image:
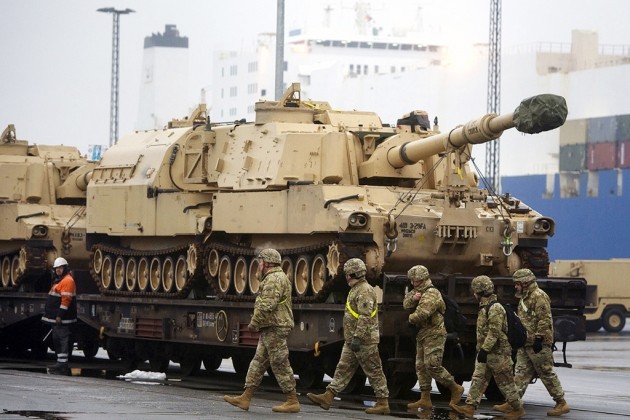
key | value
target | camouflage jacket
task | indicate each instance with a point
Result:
(360, 318)
(534, 309)
(273, 303)
(492, 328)
(428, 311)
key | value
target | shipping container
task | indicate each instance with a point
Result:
(573, 132)
(572, 157)
(623, 128)
(601, 130)
(601, 156)
(623, 154)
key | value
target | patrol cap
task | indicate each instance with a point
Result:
(60, 262)
(482, 285)
(524, 275)
(418, 272)
(355, 266)
(270, 255)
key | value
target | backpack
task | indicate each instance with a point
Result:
(454, 320)
(516, 333)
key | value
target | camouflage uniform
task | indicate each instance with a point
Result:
(360, 320)
(431, 337)
(534, 309)
(273, 316)
(492, 338)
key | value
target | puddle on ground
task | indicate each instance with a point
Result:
(46, 415)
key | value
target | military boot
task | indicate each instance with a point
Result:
(323, 400)
(467, 410)
(456, 393)
(561, 408)
(504, 408)
(291, 405)
(243, 400)
(424, 402)
(515, 410)
(381, 407)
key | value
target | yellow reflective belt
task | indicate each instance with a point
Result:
(356, 315)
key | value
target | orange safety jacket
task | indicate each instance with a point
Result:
(61, 301)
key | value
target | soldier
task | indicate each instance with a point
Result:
(360, 330)
(494, 353)
(536, 356)
(428, 317)
(273, 317)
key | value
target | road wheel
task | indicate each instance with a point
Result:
(614, 320)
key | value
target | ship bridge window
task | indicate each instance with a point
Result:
(394, 46)
(406, 47)
(419, 47)
(365, 45)
(352, 44)
(379, 45)
(338, 44)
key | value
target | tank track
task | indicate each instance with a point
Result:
(202, 278)
(33, 264)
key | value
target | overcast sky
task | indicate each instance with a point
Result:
(56, 55)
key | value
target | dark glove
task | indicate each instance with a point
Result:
(355, 345)
(482, 356)
(537, 344)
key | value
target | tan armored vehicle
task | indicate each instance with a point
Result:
(42, 209)
(191, 205)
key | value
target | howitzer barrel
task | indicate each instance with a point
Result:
(534, 115)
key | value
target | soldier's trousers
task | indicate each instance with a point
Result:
(369, 360)
(272, 350)
(429, 354)
(499, 366)
(529, 363)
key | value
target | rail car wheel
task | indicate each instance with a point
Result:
(143, 274)
(97, 261)
(399, 384)
(155, 274)
(493, 393)
(131, 274)
(159, 363)
(253, 277)
(107, 272)
(15, 270)
(181, 273)
(211, 362)
(241, 364)
(311, 377)
(240, 275)
(302, 275)
(319, 273)
(168, 274)
(6, 272)
(190, 365)
(213, 262)
(119, 273)
(225, 274)
(356, 384)
(90, 348)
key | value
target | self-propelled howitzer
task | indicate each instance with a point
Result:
(188, 207)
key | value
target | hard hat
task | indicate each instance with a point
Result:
(524, 275)
(418, 272)
(60, 262)
(482, 285)
(355, 266)
(270, 255)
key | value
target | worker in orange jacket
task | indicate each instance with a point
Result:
(61, 312)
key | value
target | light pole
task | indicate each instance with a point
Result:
(113, 110)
